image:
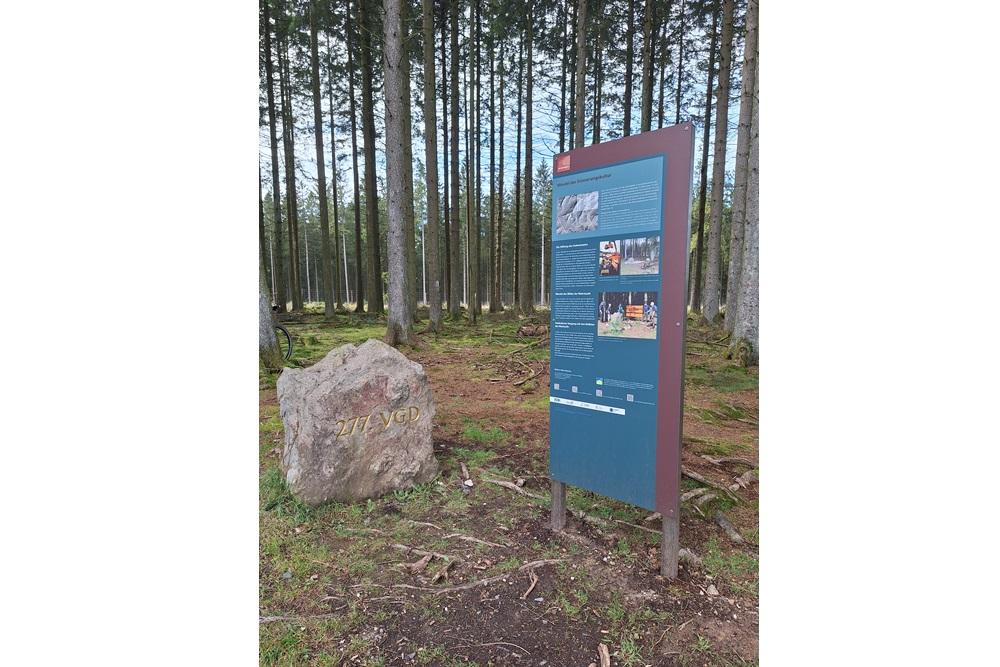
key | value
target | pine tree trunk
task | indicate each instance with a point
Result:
(399, 319)
(471, 222)
(477, 202)
(524, 229)
(408, 213)
(446, 154)
(563, 15)
(515, 260)
(703, 188)
(746, 343)
(456, 252)
(595, 137)
(262, 242)
(281, 294)
(664, 24)
(375, 286)
(498, 266)
(495, 303)
(581, 70)
(326, 261)
(646, 104)
(629, 58)
(742, 160)
(337, 287)
(713, 276)
(430, 156)
(270, 354)
(680, 64)
(359, 280)
(291, 199)
(572, 49)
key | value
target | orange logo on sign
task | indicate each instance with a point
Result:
(562, 163)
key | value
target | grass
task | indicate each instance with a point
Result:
(738, 569)
(348, 548)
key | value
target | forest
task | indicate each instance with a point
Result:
(406, 154)
(405, 148)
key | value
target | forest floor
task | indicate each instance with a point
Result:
(339, 584)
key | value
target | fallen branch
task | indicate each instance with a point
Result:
(469, 538)
(514, 487)
(534, 581)
(692, 493)
(707, 482)
(275, 619)
(534, 373)
(422, 552)
(632, 525)
(744, 480)
(424, 523)
(728, 459)
(481, 582)
(525, 347)
(729, 528)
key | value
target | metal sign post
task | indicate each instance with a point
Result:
(619, 258)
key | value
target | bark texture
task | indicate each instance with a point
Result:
(746, 334)
(430, 156)
(713, 274)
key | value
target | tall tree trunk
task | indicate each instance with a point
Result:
(280, 292)
(334, 182)
(430, 157)
(326, 258)
(444, 134)
(471, 219)
(563, 14)
(291, 199)
(359, 280)
(598, 75)
(581, 69)
(455, 253)
(664, 54)
(524, 229)
(495, 303)
(477, 189)
(263, 235)
(713, 276)
(680, 64)
(629, 58)
(515, 260)
(745, 338)
(498, 265)
(572, 49)
(375, 287)
(742, 159)
(270, 354)
(399, 321)
(702, 190)
(408, 213)
(646, 104)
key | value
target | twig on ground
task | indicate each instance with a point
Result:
(468, 538)
(421, 552)
(514, 487)
(424, 523)
(274, 619)
(602, 651)
(534, 373)
(534, 581)
(693, 493)
(525, 347)
(442, 572)
(482, 582)
(633, 525)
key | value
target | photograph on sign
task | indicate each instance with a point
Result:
(627, 314)
(609, 262)
(640, 256)
(577, 213)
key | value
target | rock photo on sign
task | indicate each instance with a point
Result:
(577, 213)
(357, 425)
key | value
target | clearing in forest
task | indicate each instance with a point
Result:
(448, 574)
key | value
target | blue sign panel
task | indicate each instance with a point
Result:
(607, 242)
